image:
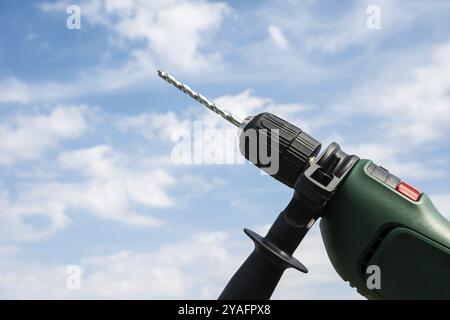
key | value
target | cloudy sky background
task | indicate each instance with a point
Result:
(86, 176)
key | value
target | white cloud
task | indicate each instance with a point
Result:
(16, 212)
(344, 28)
(121, 185)
(139, 67)
(393, 157)
(156, 32)
(173, 31)
(113, 187)
(154, 125)
(176, 270)
(246, 104)
(400, 115)
(7, 250)
(109, 184)
(107, 190)
(26, 137)
(13, 90)
(276, 34)
(442, 203)
(416, 109)
(98, 161)
(113, 179)
(243, 104)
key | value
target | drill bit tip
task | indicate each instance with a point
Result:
(200, 98)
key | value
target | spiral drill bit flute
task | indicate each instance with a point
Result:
(200, 98)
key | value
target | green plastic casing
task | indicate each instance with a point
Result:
(368, 223)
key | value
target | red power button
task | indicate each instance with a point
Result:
(408, 191)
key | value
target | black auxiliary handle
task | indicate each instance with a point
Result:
(259, 275)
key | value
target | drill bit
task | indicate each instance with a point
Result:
(200, 98)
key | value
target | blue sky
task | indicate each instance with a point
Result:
(86, 175)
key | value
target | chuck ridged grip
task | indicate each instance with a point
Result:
(293, 149)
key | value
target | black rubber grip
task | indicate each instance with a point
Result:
(256, 279)
(293, 149)
(259, 275)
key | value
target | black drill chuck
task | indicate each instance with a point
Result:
(292, 148)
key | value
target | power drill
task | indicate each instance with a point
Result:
(368, 217)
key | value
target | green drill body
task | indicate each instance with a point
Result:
(369, 223)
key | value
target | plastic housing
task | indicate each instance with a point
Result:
(369, 223)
